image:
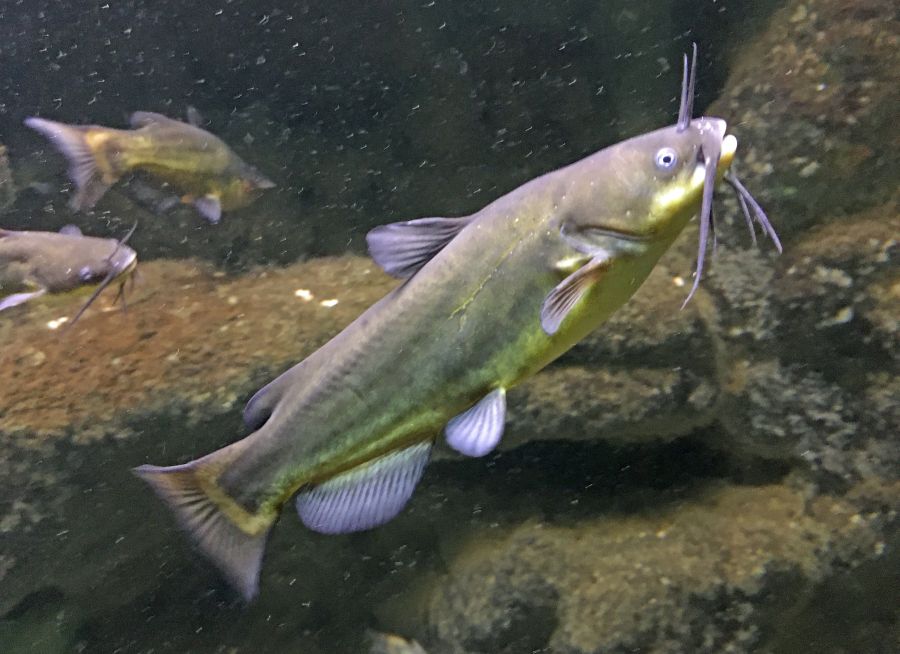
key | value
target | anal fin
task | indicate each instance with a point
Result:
(366, 496)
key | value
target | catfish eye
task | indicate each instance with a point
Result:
(666, 159)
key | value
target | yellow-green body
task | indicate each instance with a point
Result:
(199, 165)
(490, 299)
(469, 321)
(189, 158)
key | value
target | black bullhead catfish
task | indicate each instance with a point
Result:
(201, 166)
(488, 300)
(45, 264)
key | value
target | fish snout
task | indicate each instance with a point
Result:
(125, 261)
(710, 125)
(715, 144)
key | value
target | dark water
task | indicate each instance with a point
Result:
(718, 479)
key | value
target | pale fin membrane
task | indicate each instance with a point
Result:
(568, 292)
(146, 118)
(16, 299)
(402, 248)
(366, 496)
(209, 207)
(478, 430)
(236, 551)
(70, 141)
(70, 230)
(194, 117)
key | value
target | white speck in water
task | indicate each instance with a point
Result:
(232, 300)
(59, 322)
(304, 294)
(328, 303)
(678, 280)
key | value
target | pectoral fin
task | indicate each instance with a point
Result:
(569, 291)
(402, 248)
(366, 496)
(477, 431)
(209, 207)
(16, 299)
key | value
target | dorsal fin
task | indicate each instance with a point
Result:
(402, 248)
(194, 117)
(71, 230)
(145, 118)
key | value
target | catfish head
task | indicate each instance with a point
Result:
(653, 184)
(116, 263)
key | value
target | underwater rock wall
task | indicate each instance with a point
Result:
(718, 479)
(731, 375)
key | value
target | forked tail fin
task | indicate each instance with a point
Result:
(230, 536)
(71, 141)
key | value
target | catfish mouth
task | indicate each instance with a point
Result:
(620, 234)
(714, 160)
(717, 150)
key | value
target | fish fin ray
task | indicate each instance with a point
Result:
(235, 551)
(402, 248)
(209, 207)
(568, 292)
(146, 118)
(478, 431)
(366, 496)
(194, 117)
(70, 141)
(15, 299)
(70, 230)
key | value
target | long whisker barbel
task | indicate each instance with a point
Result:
(748, 202)
(113, 273)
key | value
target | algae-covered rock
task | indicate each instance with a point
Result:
(806, 342)
(813, 103)
(713, 572)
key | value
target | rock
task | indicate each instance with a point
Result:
(7, 183)
(714, 572)
(801, 342)
(813, 103)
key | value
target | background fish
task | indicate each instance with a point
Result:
(209, 175)
(489, 299)
(36, 264)
(380, 643)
